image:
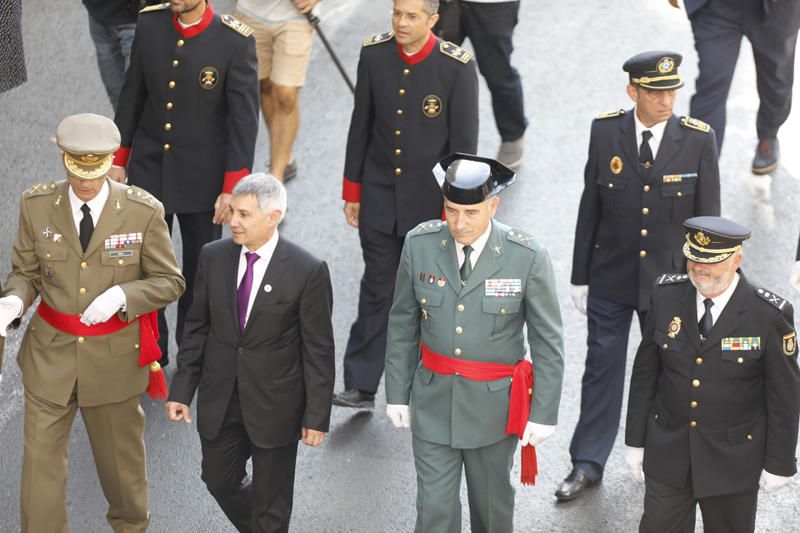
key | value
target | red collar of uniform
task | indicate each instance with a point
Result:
(422, 54)
(197, 29)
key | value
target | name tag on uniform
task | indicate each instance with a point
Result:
(121, 253)
(503, 287)
(730, 344)
(122, 240)
(678, 178)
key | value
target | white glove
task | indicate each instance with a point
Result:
(578, 293)
(400, 415)
(10, 309)
(771, 482)
(634, 458)
(535, 434)
(794, 277)
(104, 306)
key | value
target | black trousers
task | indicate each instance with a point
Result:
(262, 504)
(197, 229)
(671, 510)
(718, 28)
(366, 348)
(490, 28)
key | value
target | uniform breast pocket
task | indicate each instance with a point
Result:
(612, 194)
(52, 263)
(430, 304)
(502, 310)
(741, 357)
(666, 343)
(681, 196)
(126, 263)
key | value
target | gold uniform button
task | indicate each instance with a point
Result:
(460, 308)
(397, 151)
(645, 211)
(423, 300)
(169, 105)
(749, 437)
(693, 405)
(665, 346)
(643, 233)
(642, 253)
(121, 262)
(399, 112)
(699, 360)
(83, 265)
(610, 185)
(397, 133)
(180, 42)
(171, 85)
(167, 147)
(740, 360)
(695, 383)
(680, 194)
(693, 424)
(402, 92)
(175, 62)
(47, 255)
(398, 171)
(81, 339)
(129, 191)
(457, 351)
(136, 346)
(646, 188)
(82, 290)
(459, 330)
(167, 126)
(406, 72)
(503, 311)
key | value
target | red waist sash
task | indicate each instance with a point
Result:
(521, 375)
(149, 352)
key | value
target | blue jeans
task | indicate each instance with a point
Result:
(113, 46)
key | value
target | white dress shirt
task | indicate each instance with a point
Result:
(477, 248)
(96, 205)
(656, 129)
(719, 302)
(259, 268)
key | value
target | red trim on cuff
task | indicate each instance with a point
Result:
(351, 191)
(426, 50)
(232, 178)
(121, 157)
(197, 29)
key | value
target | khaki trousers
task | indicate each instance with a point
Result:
(116, 434)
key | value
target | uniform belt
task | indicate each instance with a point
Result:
(149, 352)
(521, 375)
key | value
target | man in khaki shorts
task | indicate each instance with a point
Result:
(283, 46)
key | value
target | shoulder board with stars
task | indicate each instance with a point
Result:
(522, 238)
(156, 7)
(40, 189)
(456, 52)
(772, 298)
(611, 114)
(693, 123)
(237, 25)
(379, 38)
(432, 226)
(141, 196)
(669, 279)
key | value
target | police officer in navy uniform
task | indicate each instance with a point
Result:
(771, 27)
(715, 390)
(188, 115)
(647, 172)
(416, 101)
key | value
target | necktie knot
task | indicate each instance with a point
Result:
(647, 135)
(708, 302)
(86, 209)
(251, 257)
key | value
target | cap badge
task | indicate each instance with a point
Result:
(702, 238)
(666, 65)
(432, 106)
(674, 327)
(616, 164)
(209, 76)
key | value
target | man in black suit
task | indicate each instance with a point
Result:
(715, 390)
(647, 172)
(258, 347)
(188, 115)
(416, 102)
(771, 27)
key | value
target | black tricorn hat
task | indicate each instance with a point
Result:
(713, 239)
(468, 179)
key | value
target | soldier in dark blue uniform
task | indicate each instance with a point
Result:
(771, 27)
(416, 101)
(647, 172)
(188, 115)
(715, 390)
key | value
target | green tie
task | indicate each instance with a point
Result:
(466, 266)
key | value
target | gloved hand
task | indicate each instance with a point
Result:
(579, 293)
(10, 309)
(400, 415)
(794, 277)
(104, 306)
(536, 433)
(771, 482)
(634, 458)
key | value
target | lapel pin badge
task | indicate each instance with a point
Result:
(267, 288)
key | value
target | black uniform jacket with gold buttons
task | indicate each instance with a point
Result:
(711, 415)
(410, 111)
(188, 112)
(629, 223)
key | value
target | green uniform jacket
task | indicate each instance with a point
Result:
(47, 261)
(430, 306)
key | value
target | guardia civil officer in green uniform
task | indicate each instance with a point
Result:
(465, 289)
(98, 253)
(715, 390)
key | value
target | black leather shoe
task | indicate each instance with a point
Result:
(354, 398)
(767, 154)
(573, 485)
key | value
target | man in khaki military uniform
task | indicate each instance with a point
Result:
(99, 255)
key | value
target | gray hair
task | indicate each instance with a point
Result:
(430, 6)
(268, 190)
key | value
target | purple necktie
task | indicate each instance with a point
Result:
(243, 292)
